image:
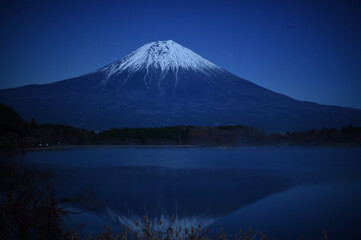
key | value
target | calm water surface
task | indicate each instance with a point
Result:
(282, 191)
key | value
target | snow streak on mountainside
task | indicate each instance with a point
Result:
(161, 55)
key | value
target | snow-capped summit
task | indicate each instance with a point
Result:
(165, 84)
(161, 55)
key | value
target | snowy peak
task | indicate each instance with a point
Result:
(161, 55)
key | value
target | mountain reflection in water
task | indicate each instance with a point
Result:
(202, 186)
(197, 195)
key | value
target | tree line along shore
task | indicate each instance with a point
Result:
(17, 133)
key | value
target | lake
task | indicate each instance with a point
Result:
(281, 191)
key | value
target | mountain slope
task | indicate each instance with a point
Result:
(163, 83)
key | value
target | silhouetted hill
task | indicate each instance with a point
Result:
(9, 117)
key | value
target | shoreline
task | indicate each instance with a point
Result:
(67, 147)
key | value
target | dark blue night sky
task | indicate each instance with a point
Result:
(309, 50)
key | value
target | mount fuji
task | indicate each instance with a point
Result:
(165, 84)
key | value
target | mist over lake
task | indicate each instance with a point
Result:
(282, 191)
